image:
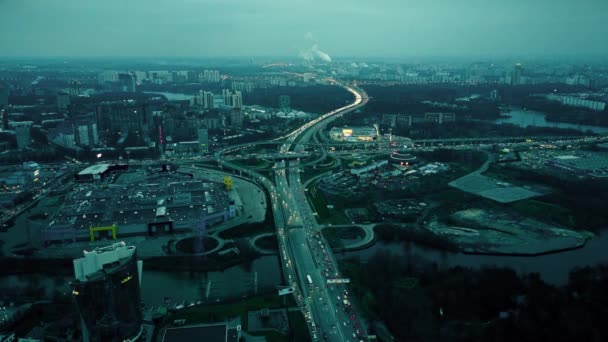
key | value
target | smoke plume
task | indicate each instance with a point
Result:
(313, 52)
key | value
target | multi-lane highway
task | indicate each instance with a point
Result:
(330, 312)
(306, 258)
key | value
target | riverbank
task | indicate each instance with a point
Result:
(488, 241)
(208, 263)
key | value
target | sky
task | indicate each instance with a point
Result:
(305, 28)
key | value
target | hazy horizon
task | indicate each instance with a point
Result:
(313, 29)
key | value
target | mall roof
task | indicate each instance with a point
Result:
(95, 169)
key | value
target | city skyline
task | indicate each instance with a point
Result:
(305, 29)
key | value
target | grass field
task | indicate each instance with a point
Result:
(546, 212)
(326, 215)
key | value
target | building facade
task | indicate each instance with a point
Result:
(107, 293)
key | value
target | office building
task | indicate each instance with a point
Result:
(140, 76)
(75, 89)
(22, 132)
(389, 120)
(236, 118)
(63, 101)
(517, 74)
(86, 129)
(203, 139)
(127, 82)
(212, 121)
(107, 293)
(285, 103)
(5, 120)
(180, 127)
(122, 117)
(439, 118)
(63, 135)
(107, 76)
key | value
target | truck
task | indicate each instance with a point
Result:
(309, 279)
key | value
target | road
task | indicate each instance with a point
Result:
(331, 317)
(306, 258)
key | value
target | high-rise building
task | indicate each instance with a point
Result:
(211, 76)
(208, 100)
(86, 129)
(63, 101)
(180, 127)
(122, 117)
(4, 93)
(517, 74)
(75, 89)
(140, 76)
(236, 118)
(227, 96)
(4, 114)
(22, 132)
(107, 293)
(285, 103)
(246, 87)
(237, 100)
(440, 118)
(203, 139)
(63, 135)
(107, 76)
(127, 82)
(212, 121)
(389, 119)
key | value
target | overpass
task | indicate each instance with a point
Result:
(305, 256)
(421, 142)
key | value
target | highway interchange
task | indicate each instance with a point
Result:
(306, 258)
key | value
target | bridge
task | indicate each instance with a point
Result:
(306, 259)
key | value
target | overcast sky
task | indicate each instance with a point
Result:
(391, 28)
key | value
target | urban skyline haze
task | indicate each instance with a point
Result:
(243, 28)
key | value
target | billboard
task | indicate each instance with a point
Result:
(286, 291)
(338, 281)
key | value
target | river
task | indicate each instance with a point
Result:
(553, 268)
(172, 96)
(525, 118)
(261, 275)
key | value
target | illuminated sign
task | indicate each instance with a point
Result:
(347, 132)
(338, 281)
(286, 291)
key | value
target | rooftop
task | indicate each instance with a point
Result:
(195, 333)
(94, 169)
(101, 257)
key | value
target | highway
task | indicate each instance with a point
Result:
(306, 258)
(332, 315)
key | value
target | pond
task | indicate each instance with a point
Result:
(525, 118)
